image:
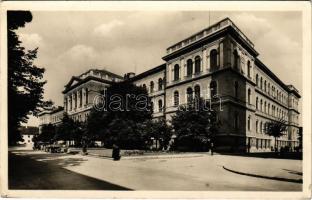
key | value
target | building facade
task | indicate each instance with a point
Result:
(218, 63)
(221, 61)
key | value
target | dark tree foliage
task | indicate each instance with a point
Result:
(47, 134)
(276, 129)
(157, 129)
(195, 127)
(25, 85)
(70, 130)
(128, 101)
(125, 106)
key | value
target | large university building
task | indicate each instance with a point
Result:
(219, 61)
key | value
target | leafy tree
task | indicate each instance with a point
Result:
(47, 134)
(157, 129)
(69, 130)
(194, 126)
(276, 129)
(25, 85)
(125, 106)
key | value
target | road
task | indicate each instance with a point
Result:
(39, 170)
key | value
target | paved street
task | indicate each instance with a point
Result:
(40, 170)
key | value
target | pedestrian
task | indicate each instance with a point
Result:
(248, 147)
(211, 148)
(116, 152)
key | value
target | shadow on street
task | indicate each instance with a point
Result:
(49, 173)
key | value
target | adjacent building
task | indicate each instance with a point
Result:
(219, 62)
(28, 133)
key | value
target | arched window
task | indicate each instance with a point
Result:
(152, 86)
(176, 98)
(261, 83)
(249, 122)
(160, 84)
(160, 105)
(261, 104)
(257, 80)
(197, 91)
(189, 67)
(236, 89)
(269, 88)
(261, 128)
(189, 93)
(213, 88)
(213, 59)
(265, 106)
(197, 64)
(249, 96)
(236, 60)
(269, 108)
(257, 126)
(176, 73)
(257, 103)
(248, 69)
(265, 86)
(144, 86)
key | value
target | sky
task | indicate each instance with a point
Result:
(70, 43)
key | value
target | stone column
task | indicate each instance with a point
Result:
(204, 60)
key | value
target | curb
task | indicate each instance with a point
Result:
(266, 177)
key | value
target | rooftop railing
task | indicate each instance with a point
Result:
(206, 32)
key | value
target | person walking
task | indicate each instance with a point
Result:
(211, 148)
(116, 152)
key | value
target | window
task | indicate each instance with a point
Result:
(152, 86)
(189, 93)
(248, 123)
(75, 97)
(236, 120)
(176, 98)
(248, 68)
(80, 98)
(160, 106)
(213, 59)
(261, 127)
(213, 88)
(87, 96)
(160, 84)
(197, 92)
(269, 88)
(268, 108)
(265, 106)
(189, 67)
(261, 103)
(261, 83)
(236, 60)
(265, 86)
(257, 103)
(144, 86)
(176, 72)
(236, 89)
(257, 126)
(197, 64)
(249, 96)
(152, 105)
(257, 77)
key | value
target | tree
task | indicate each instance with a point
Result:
(276, 129)
(25, 85)
(116, 119)
(69, 130)
(194, 126)
(157, 129)
(47, 134)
